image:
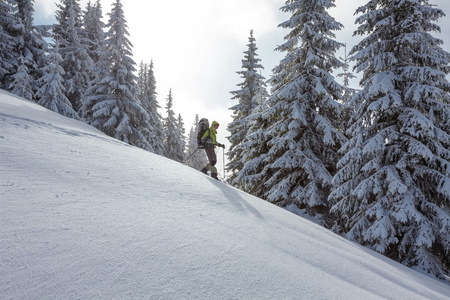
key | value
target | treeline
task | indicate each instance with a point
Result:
(83, 68)
(372, 165)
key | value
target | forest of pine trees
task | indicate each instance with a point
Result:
(82, 67)
(372, 164)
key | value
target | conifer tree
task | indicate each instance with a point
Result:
(143, 125)
(98, 89)
(51, 94)
(346, 75)
(348, 91)
(392, 191)
(172, 132)
(181, 142)
(23, 47)
(252, 87)
(32, 47)
(112, 105)
(142, 81)
(94, 30)
(147, 86)
(255, 150)
(192, 147)
(22, 84)
(77, 64)
(8, 42)
(304, 111)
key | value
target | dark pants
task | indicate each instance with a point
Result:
(212, 159)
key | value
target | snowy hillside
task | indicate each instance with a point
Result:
(84, 216)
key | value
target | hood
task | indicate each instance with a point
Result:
(214, 123)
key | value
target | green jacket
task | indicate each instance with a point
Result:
(210, 135)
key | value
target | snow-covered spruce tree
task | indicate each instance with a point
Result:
(142, 81)
(8, 42)
(32, 47)
(304, 111)
(116, 110)
(181, 146)
(98, 87)
(253, 86)
(393, 186)
(22, 84)
(77, 64)
(172, 133)
(192, 147)
(51, 94)
(148, 100)
(198, 159)
(346, 76)
(94, 30)
(143, 125)
(155, 119)
(255, 148)
(348, 91)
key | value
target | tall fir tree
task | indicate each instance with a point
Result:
(304, 111)
(348, 91)
(112, 105)
(74, 49)
(252, 87)
(98, 87)
(9, 39)
(32, 46)
(94, 30)
(147, 86)
(22, 85)
(51, 94)
(142, 81)
(172, 132)
(181, 145)
(255, 150)
(346, 76)
(392, 191)
(143, 125)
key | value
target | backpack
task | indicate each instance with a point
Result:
(203, 125)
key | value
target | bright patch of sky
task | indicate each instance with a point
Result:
(197, 46)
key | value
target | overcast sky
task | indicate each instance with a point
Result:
(197, 46)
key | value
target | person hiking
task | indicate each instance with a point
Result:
(210, 143)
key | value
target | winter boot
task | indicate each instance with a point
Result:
(204, 170)
(214, 175)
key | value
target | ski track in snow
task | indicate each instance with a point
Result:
(86, 216)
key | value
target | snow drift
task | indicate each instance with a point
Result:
(86, 216)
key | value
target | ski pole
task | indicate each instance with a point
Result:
(191, 155)
(223, 162)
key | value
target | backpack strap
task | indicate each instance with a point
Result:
(208, 137)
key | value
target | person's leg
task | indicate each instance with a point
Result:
(212, 161)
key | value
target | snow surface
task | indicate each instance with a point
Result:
(84, 216)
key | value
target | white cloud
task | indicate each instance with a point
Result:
(44, 10)
(197, 46)
(237, 17)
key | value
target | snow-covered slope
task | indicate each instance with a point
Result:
(84, 216)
